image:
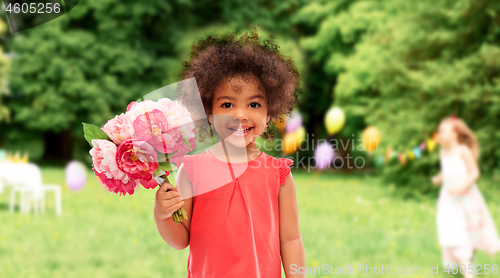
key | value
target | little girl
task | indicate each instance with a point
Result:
(463, 221)
(247, 226)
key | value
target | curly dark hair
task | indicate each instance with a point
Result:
(213, 59)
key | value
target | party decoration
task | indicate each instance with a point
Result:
(371, 138)
(431, 144)
(25, 158)
(76, 175)
(323, 155)
(389, 154)
(294, 123)
(423, 146)
(380, 160)
(402, 159)
(292, 140)
(435, 136)
(16, 158)
(334, 120)
(411, 155)
(417, 152)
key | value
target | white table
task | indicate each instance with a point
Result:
(25, 179)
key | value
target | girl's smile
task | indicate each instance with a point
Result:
(240, 131)
(240, 111)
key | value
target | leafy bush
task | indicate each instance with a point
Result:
(404, 65)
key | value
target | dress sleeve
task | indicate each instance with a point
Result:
(188, 167)
(284, 169)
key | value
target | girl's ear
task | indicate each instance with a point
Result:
(268, 118)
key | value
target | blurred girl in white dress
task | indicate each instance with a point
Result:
(464, 223)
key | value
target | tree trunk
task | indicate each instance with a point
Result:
(58, 147)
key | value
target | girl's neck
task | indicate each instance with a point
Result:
(451, 146)
(225, 151)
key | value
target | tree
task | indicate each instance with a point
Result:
(409, 65)
(89, 64)
(4, 66)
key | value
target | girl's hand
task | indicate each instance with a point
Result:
(458, 190)
(436, 180)
(167, 201)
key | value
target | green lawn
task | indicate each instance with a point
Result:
(344, 220)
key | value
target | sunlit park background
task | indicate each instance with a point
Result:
(381, 70)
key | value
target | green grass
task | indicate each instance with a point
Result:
(344, 220)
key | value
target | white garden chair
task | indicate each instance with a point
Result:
(57, 194)
(25, 180)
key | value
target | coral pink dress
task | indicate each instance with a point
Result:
(235, 219)
(463, 221)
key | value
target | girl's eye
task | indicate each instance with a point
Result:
(255, 103)
(225, 105)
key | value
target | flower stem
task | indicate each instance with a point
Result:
(179, 214)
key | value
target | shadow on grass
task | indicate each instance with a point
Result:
(4, 208)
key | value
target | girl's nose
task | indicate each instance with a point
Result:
(241, 114)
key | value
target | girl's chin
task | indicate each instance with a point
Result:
(238, 142)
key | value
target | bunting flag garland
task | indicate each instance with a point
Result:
(411, 155)
(431, 144)
(417, 152)
(389, 154)
(402, 159)
(423, 146)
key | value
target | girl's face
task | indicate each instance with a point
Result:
(446, 133)
(240, 110)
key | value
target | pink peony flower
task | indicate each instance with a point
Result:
(103, 158)
(177, 116)
(135, 109)
(138, 160)
(131, 105)
(152, 183)
(175, 113)
(116, 186)
(119, 128)
(179, 155)
(105, 168)
(152, 127)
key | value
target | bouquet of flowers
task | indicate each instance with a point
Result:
(141, 146)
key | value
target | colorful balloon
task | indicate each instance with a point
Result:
(417, 152)
(334, 120)
(371, 138)
(323, 155)
(431, 144)
(294, 123)
(380, 160)
(76, 175)
(292, 140)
